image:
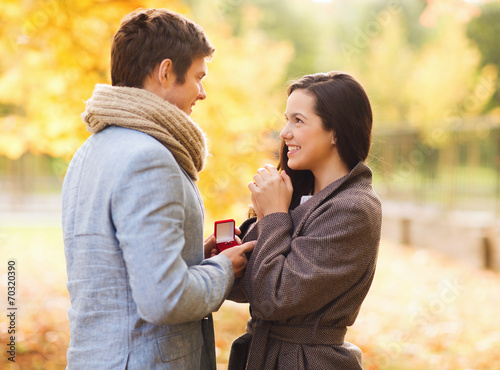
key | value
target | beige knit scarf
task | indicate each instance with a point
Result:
(144, 111)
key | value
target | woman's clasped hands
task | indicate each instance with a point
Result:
(271, 191)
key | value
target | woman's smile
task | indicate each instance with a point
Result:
(292, 149)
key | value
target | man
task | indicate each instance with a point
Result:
(139, 285)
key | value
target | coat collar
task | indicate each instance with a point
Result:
(361, 172)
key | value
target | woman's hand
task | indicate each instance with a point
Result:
(271, 191)
(258, 213)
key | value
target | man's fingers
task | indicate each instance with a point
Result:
(247, 247)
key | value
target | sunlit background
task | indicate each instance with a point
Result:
(430, 69)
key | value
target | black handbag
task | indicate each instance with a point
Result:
(239, 352)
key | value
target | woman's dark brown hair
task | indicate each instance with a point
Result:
(148, 36)
(344, 108)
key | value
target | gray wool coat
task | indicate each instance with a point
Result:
(307, 277)
(137, 278)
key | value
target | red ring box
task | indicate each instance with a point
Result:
(224, 234)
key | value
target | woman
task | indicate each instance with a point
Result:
(317, 228)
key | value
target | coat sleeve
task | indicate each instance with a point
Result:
(288, 277)
(237, 292)
(148, 214)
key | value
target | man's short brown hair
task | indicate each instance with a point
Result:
(148, 36)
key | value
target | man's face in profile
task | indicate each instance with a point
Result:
(185, 95)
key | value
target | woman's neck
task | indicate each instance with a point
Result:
(324, 177)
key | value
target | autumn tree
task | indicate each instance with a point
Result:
(55, 51)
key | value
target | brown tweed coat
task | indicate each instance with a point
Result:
(307, 277)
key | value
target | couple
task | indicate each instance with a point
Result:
(143, 282)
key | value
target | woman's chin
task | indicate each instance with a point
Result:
(294, 166)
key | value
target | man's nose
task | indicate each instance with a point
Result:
(203, 94)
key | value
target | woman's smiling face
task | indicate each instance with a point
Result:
(310, 146)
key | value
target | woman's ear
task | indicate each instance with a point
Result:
(334, 138)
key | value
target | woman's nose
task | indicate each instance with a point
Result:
(286, 133)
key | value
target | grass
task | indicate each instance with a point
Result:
(424, 311)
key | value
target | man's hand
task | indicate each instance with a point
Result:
(238, 258)
(209, 244)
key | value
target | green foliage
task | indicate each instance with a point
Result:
(485, 30)
(429, 87)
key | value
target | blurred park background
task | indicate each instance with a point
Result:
(430, 69)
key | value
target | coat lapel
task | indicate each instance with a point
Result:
(302, 212)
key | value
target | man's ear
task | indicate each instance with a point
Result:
(165, 73)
